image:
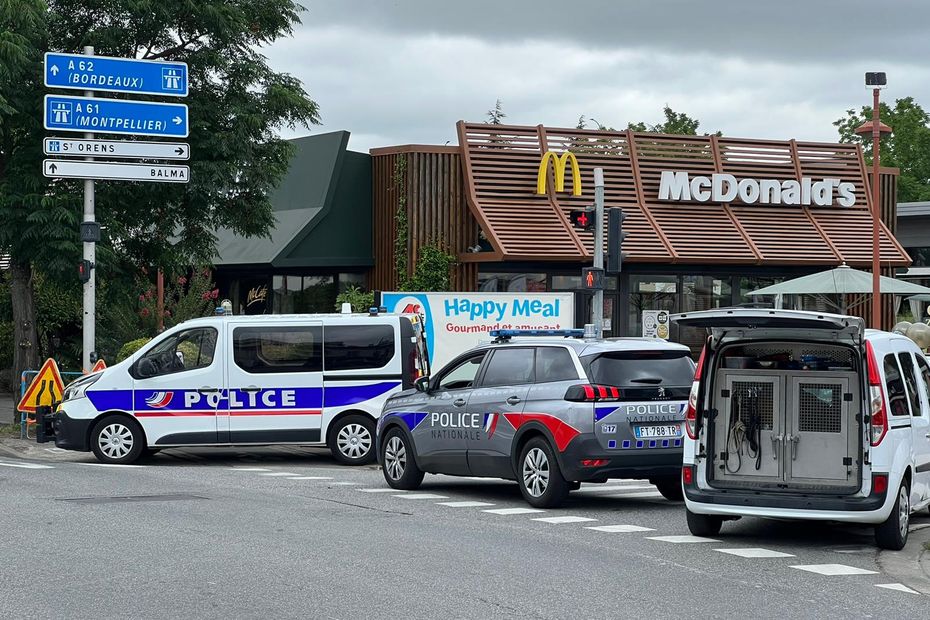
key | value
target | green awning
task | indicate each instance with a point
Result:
(839, 281)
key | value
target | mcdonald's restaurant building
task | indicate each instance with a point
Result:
(708, 218)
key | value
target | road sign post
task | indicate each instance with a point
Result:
(115, 171)
(89, 322)
(599, 249)
(119, 75)
(134, 118)
(116, 149)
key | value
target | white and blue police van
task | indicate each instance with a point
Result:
(247, 380)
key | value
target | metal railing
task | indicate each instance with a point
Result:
(24, 380)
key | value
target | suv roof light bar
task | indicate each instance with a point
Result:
(506, 334)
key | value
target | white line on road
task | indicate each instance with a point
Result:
(899, 587)
(311, 478)
(639, 495)
(249, 469)
(421, 496)
(615, 489)
(513, 511)
(619, 529)
(832, 570)
(464, 504)
(281, 473)
(341, 484)
(756, 552)
(55, 450)
(112, 465)
(380, 490)
(565, 519)
(26, 465)
(682, 539)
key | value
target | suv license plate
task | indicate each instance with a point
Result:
(665, 430)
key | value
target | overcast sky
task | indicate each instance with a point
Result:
(404, 71)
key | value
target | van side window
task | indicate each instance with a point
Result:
(894, 382)
(187, 350)
(554, 364)
(261, 350)
(357, 347)
(910, 380)
(509, 367)
(924, 375)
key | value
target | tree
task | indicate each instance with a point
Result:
(907, 148)
(496, 115)
(677, 123)
(237, 104)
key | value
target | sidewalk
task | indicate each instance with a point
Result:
(7, 414)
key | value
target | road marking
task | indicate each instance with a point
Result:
(898, 587)
(380, 490)
(832, 570)
(281, 473)
(513, 511)
(249, 469)
(112, 465)
(619, 529)
(565, 519)
(421, 496)
(55, 450)
(464, 504)
(682, 539)
(29, 465)
(640, 495)
(756, 552)
(309, 478)
(341, 484)
(615, 489)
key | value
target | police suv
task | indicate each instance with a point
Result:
(247, 380)
(547, 412)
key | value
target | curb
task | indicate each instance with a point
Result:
(911, 565)
(29, 449)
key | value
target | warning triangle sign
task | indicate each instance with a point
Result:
(45, 389)
(100, 365)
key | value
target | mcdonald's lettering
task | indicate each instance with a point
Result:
(561, 162)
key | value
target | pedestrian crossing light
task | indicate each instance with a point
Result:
(84, 268)
(615, 237)
(583, 219)
(592, 279)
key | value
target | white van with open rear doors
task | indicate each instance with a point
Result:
(800, 415)
(247, 380)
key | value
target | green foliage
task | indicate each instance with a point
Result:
(401, 239)
(360, 300)
(130, 347)
(432, 269)
(496, 115)
(677, 123)
(908, 148)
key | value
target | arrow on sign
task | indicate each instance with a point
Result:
(179, 151)
(52, 168)
(54, 69)
(177, 120)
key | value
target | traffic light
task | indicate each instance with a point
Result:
(615, 237)
(84, 267)
(592, 279)
(583, 219)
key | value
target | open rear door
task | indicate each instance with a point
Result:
(775, 323)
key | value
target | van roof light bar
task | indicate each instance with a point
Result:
(500, 335)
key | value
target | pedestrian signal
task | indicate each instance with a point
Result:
(583, 219)
(592, 278)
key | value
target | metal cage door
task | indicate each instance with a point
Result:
(817, 447)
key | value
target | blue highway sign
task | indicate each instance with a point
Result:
(119, 75)
(137, 118)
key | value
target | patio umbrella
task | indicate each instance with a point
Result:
(843, 280)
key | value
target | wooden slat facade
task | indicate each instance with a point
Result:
(431, 178)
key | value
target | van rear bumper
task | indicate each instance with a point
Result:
(870, 509)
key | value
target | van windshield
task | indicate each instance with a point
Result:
(640, 368)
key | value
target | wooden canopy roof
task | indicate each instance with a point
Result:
(501, 164)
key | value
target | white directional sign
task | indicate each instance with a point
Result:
(120, 149)
(113, 171)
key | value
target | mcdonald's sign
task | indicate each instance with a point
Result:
(561, 162)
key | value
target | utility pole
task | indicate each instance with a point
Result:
(598, 310)
(90, 254)
(876, 216)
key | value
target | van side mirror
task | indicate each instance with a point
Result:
(421, 384)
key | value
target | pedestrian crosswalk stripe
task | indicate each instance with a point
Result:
(281, 473)
(422, 496)
(342, 484)
(619, 529)
(513, 511)
(311, 478)
(682, 539)
(615, 489)
(565, 519)
(113, 465)
(756, 552)
(638, 495)
(27, 465)
(832, 570)
(464, 504)
(249, 469)
(382, 490)
(899, 587)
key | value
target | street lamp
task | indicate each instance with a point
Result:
(877, 81)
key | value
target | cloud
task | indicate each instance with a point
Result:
(405, 72)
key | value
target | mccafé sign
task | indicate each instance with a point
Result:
(680, 186)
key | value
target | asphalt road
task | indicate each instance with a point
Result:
(288, 533)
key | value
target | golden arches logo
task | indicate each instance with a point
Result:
(561, 162)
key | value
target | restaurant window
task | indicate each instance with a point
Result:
(650, 293)
(303, 294)
(702, 293)
(511, 282)
(747, 284)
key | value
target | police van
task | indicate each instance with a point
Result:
(247, 380)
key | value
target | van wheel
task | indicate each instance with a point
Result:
(540, 478)
(670, 488)
(892, 534)
(352, 440)
(397, 463)
(703, 525)
(117, 440)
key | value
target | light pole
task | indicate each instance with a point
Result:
(877, 81)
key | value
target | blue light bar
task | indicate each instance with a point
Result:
(504, 334)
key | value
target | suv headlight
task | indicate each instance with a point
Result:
(78, 389)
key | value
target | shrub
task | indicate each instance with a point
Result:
(130, 347)
(359, 299)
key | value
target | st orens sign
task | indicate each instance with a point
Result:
(680, 186)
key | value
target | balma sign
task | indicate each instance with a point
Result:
(676, 186)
